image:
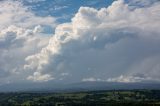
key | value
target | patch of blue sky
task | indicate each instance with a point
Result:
(63, 9)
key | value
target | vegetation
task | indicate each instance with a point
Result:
(90, 98)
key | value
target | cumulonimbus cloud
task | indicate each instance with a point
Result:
(103, 43)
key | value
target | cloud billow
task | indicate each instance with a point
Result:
(119, 43)
(21, 34)
(111, 42)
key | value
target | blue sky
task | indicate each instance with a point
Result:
(68, 41)
(64, 9)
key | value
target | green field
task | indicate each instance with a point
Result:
(90, 98)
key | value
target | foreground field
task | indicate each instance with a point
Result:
(90, 98)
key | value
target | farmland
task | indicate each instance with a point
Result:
(85, 98)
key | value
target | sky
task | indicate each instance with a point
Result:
(69, 41)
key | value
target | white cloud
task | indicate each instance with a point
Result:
(92, 79)
(13, 37)
(38, 77)
(89, 79)
(132, 79)
(21, 34)
(60, 7)
(34, 1)
(14, 13)
(15, 45)
(109, 40)
(112, 41)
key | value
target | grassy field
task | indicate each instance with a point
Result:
(90, 98)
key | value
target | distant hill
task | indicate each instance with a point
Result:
(81, 86)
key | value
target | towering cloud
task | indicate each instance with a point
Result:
(116, 41)
(119, 43)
